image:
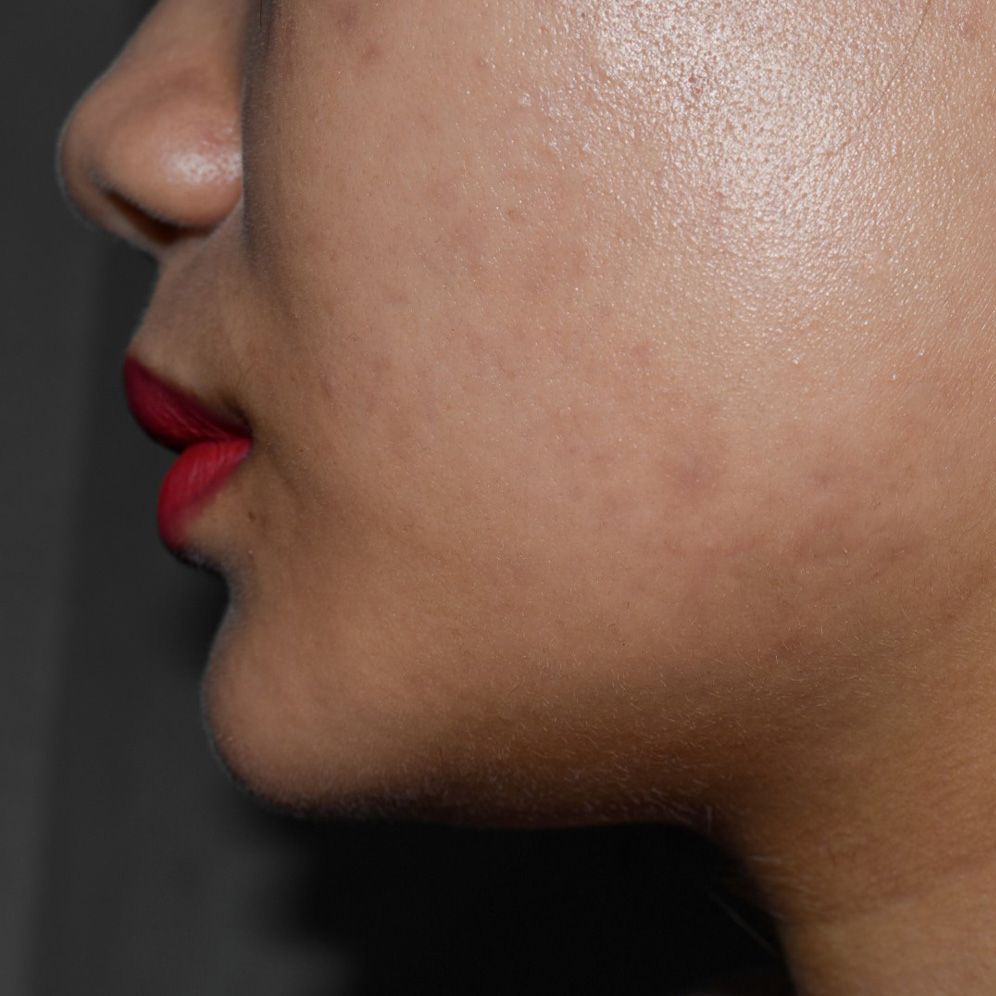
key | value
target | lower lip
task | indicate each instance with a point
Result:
(196, 476)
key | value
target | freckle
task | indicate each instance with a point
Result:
(371, 55)
(506, 362)
(428, 123)
(395, 296)
(578, 263)
(972, 27)
(381, 364)
(893, 555)
(601, 462)
(691, 475)
(468, 239)
(642, 351)
(401, 435)
(612, 506)
(442, 192)
(823, 480)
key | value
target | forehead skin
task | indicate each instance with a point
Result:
(622, 381)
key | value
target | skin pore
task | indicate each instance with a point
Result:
(621, 375)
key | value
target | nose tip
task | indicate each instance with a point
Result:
(151, 155)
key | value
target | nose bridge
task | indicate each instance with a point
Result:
(153, 149)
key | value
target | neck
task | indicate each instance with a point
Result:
(877, 855)
(938, 939)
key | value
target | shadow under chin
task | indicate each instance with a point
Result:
(429, 896)
(431, 888)
(622, 910)
(486, 799)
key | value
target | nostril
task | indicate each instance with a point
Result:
(147, 232)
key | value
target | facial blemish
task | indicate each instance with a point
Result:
(972, 24)
(371, 55)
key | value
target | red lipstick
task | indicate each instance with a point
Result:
(211, 446)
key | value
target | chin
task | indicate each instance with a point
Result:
(273, 760)
(458, 781)
(343, 749)
(337, 753)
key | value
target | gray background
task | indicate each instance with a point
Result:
(128, 863)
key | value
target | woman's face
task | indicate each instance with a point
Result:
(620, 372)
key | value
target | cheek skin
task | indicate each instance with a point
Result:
(616, 401)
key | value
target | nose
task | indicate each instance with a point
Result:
(152, 151)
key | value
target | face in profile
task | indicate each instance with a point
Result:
(619, 378)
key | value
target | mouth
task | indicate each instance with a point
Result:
(210, 447)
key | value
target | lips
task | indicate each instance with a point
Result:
(210, 445)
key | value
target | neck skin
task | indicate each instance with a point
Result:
(938, 940)
(876, 851)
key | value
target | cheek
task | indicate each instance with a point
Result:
(599, 358)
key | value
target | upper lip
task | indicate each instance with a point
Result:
(172, 416)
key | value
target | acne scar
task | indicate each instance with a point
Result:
(371, 55)
(972, 25)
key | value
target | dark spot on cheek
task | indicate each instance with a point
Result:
(396, 297)
(694, 467)
(643, 353)
(972, 24)
(428, 123)
(823, 480)
(371, 55)
(613, 506)
(693, 476)
(603, 459)
(378, 383)
(829, 535)
(400, 434)
(441, 192)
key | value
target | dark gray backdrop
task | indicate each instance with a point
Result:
(129, 865)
